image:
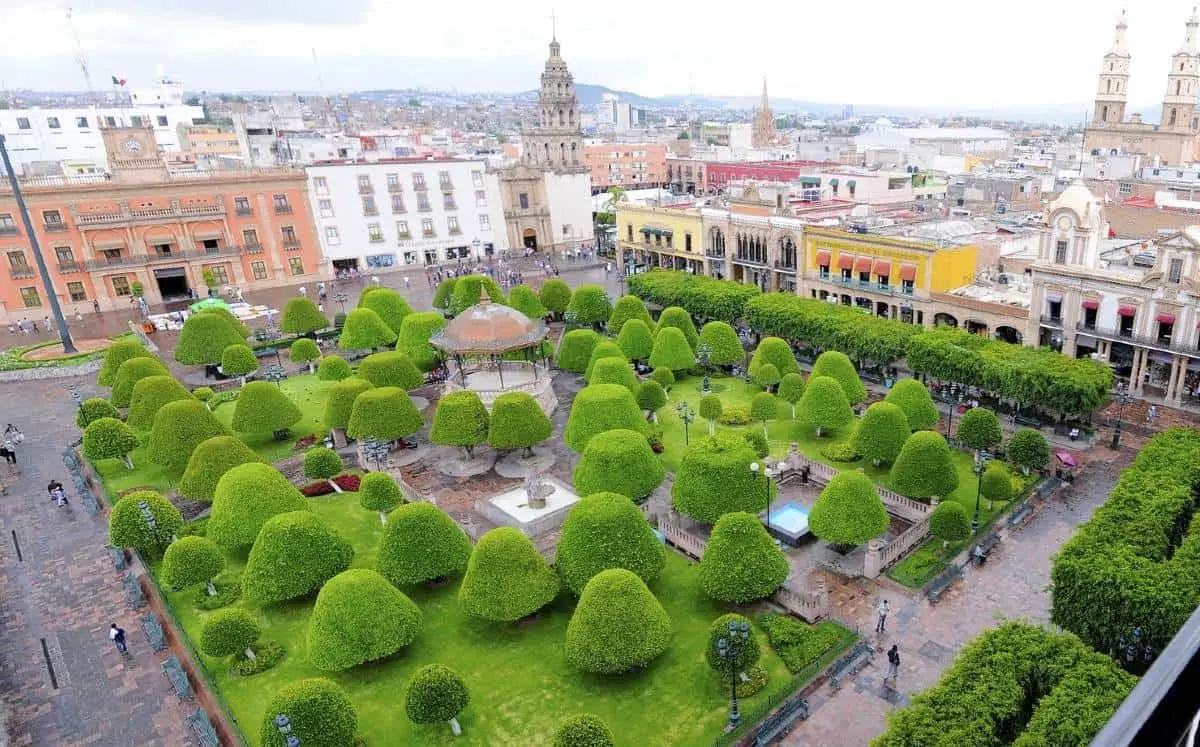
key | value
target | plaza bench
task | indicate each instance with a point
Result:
(155, 635)
(943, 581)
(90, 504)
(173, 671)
(133, 591)
(1021, 516)
(850, 663)
(781, 722)
(203, 729)
(989, 541)
(1027, 421)
(118, 556)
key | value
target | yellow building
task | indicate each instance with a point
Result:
(209, 140)
(660, 237)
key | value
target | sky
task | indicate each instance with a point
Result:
(936, 53)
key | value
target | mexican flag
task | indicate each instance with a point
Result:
(118, 81)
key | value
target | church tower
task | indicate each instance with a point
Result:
(763, 133)
(1179, 104)
(1114, 81)
(557, 141)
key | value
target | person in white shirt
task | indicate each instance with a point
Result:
(882, 611)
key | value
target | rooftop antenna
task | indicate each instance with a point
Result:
(80, 57)
(317, 65)
(553, 26)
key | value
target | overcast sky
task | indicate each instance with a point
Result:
(942, 53)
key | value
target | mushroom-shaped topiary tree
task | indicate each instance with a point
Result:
(626, 308)
(710, 410)
(94, 408)
(636, 340)
(149, 395)
(663, 376)
(203, 393)
(824, 405)
(602, 531)
(116, 354)
(766, 375)
(996, 484)
(412, 339)
(911, 396)
(617, 626)
(583, 730)
(849, 511)
(791, 390)
(109, 438)
(671, 350)
(979, 429)
(319, 714)
(239, 360)
(714, 479)
(390, 369)
(340, 403)
(1028, 450)
(747, 654)
(321, 463)
(555, 295)
(618, 461)
(651, 397)
(763, 408)
(575, 350)
(129, 374)
(179, 427)
(145, 521)
(507, 578)
(388, 304)
(333, 368)
(680, 319)
(384, 413)
(924, 468)
(741, 562)
(262, 407)
(517, 422)
(435, 694)
(421, 543)
(949, 522)
(192, 560)
(723, 343)
(364, 330)
(443, 294)
(460, 420)
(295, 553)
(881, 433)
(305, 350)
(302, 317)
(378, 491)
(467, 292)
(603, 349)
(614, 371)
(523, 299)
(238, 325)
(359, 617)
(838, 366)
(778, 353)
(599, 408)
(230, 631)
(209, 462)
(246, 496)
(590, 305)
(204, 338)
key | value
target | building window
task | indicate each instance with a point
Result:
(81, 123)
(423, 202)
(477, 179)
(418, 180)
(566, 230)
(259, 269)
(393, 182)
(1176, 270)
(1125, 188)
(135, 121)
(289, 235)
(1060, 251)
(52, 123)
(120, 285)
(906, 287)
(29, 297)
(52, 218)
(427, 226)
(321, 185)
(241, 205)
(326, 208)
(23, 123)
(452, 224)
(485, 223)
(398, 205)
(250, 237)
(331, 236)
(162, 121)
(524, 200)
(17, 261)
(444, 180)
(76, 291)
(448, 201)
(282, 206)
(687, 242)
(219, 274)
(65, 255)
(364, 183)
(296, 265)
(402, 229)
(374, 233)
(480, 198)
(110, 121)
(629, 232)
(368, 205)
(410, 258)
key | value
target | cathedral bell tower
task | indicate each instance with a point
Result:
(1114, 81)
(557, 141)
(1179, 103)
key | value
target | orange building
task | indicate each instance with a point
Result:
(100, 235)
(639, 166)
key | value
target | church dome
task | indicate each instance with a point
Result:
(489, 327)
(1079, 200)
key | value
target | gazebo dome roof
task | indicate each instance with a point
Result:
(489, 327)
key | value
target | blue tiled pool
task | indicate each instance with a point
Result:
(790, 520)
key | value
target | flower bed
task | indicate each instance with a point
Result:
(317, 489)
(348, 482)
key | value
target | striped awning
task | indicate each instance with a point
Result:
(882, 268)
(1091, 304)
(908, 272)
(1126, 311)
(862, 264)
(823, 257)
(1165, 317)
(845, 261)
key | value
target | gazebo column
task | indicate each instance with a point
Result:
(462, 371)
(500, 369)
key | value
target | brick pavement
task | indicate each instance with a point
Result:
(63, 591)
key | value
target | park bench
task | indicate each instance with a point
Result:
(850, 663)
(781, 722)
(943, 582)
(173, 671)
(155, 635)
(90, 504)
(1028, 421)
(989, 541)
(203, 729)
(1021, 516)
(118, 556)
(133, 591)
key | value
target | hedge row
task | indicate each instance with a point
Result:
(702, 296)
(861, 336)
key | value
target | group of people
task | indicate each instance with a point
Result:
(13, 437)
(30, 327)
(893, 655)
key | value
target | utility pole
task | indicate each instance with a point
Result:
(64, 333)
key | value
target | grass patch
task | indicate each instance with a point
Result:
(13, 359)
(921, 565)
(798, 643)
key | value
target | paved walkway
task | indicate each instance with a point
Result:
(57, 598)
(1011, 585)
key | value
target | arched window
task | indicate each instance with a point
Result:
(561, 119)
(1104, 113)
(1172, 122)
(1108, 86)
(562, 153)
(1178, 85)
(546, 146)
(574, 153)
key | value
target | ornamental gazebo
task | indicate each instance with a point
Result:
(480, 337)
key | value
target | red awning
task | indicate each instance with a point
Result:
(1091, 305)
(845, 261)
(1126, 311)
(823, 258)
(862, 264)
(1165, 318)
(908, 272)
(883, 268)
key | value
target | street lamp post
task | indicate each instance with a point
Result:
(687, 415)
(475, 245)
(275, 374)
(73, 390)
(1134, 650)
(703, 356)
(981, 460)
(376, 451)
(1123, 398)
(341, 299)
(284, 725)
(955, 394)
(729, 648)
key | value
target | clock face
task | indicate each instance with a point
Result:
(1064, 223)
(133, 146)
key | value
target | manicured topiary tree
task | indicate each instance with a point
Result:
(618, 461)
(238, 325)
(246, 497)
(305, 350)
(763, 408)
(583, 730)
(435, 694)
(359, 617)
(413, 339)
(741, 562)
(636, 340)
(364, 330)
(302, 317)
(385, 413)
(238, 360)
(949, 522)
(614, 371)
(748, 652)
(204, 338)
(603, 349)
(517, 422)
(422, 543)
(321, 463)
(673, 316)
(116, 354)
(209, 461)
(599, 408)
(390, 369)
(149, 395)
(617, 626)
(129, 527)
(776, 352)
(555, 295)
(590, 305)
(320, 715)
(460, 420)
(979, 429)
(192, 560)
(824, 405)
(94, 408)
(203, 393)
(1028, 450)
(295, 553)
(340, 402)
(723, 342)
(881, 433)
(838, 366)
(602, 531)
(468, 291)
(109, 438)
(663, 376)
(129, 374)
(671, 350)
(179, 427)
(333, 368)
(924, 468)
(911, 396)
(443, 293)
(507, 578)
(710, 410)
(651, 397)
(997, 484)
(262, 407)
(378, 491)
(626, 308)
(388, 304)
(849, 511)
(230, 631)
(766, 375)
(575, 350)
(791, 390)
(714, 479)
(523, 299)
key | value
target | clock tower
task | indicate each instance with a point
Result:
(133, 154)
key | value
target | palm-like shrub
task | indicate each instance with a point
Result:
(204, 338)
(618, 461)
(507, 578)
(109, 438)
(192, 560)
(651, 396)
(421, 543)
(209, 461)
(614, 371)
(949, 522)
(321, 463)
(94, 408)
(575, 350)
(838, 366)
(359, 617)
(295, 553)
(378, 491)
(849, 511)
(523, 299)
(603, 349)
(599, 408)
(741, 562)
(413, 338)
(364, 330)
(714, 479)
(179, 427)
(924, 468)
(590, 305)
(911, 396)
(979, 428)
(149, 395)
(388, 304)
(333, 368)
(302, 317)
(671, 350)
(881, 433)
(673, 316)
(824, 405)
(262, 407)
(583, 730)
(304, 350)
(238, 360)
(116, 354)
(555, 295)
(791, 390)
(390, 369)
(320, 713)
(626, 308)
(385, 413)
(636, 340)
(723, 342)
(340, 403)
(776, 352)
(246, 497)
(129, 374)
(617, 626)
(517, 422)
(460, 420)
(434, 694)
(129, 527)
(602, 531)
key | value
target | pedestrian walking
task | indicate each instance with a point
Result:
(117, 635)
(321, 290)
(78, 315)
(407, 283)
(304, 291)
(882, 611)
(893, 664)
(96, 305)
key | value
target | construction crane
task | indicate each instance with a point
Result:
(80, 57)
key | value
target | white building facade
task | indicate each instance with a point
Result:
(391, 215)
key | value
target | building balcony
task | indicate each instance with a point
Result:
(253, 249)
(428, 234)
(871, 286)
(420, 187)
(128, 215)
(366, 189)
(112, 263)
(455, 232)
(714, 253)
(406, 236)
(9, 231)
(447, 186)
(395, 188)
(244, 212)
(1152, 341)
(58, 227)
(370, 212)
(749, 261)
(283, 209)
(529, 212)
(424, 208)
(66, 268)
(20, 273)
(785, 266)
(1051, 321)
(291, 245)
(449, 205)
(376, 239)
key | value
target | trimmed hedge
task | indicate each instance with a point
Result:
(604, 349)
(460, 420)
(949, 522)
(798, 643)
(421, 543)
(412, 339)
(741, 562)
(881, 433)
(388, 304)
(191, 560)
(238, 325)
(627, 308)
(996, 483)
(294, 554)
(911, 396)
(599, 408)
(849, 511)
(203, 393)
(671, 350)
(636, 340)
(238, 360)
(590, 304)
(304, 350)
(149, 395)
(130, 373)
(262, 407)
(321, 463)
(116, 354)
(364, 330)
(617, 626)
(583, 730)
(301, 317)
(386, 413)
(108, 438)
(776, 352)
(614, 371)
(94, 408)
(320, 712)
(664, 376)
(507, 578)
(700, 295)
(862, 336)
(603, 531)
(204, 338)
(333, 368)
(575, 350)
(359, 617)
(824, 405)
(525, 300)
(724, 343)
(435, 693)
(443, 293)
(469, 289)
(710, 409)
(390, 369)
(714, 479)
(179, 427)
(555, 295)
(229, 631)
(209, 461)
(838, 367)
(128, 527)
(766, 375)
(340, 402)
(246, 497)
(517, 422)
(923, 468)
